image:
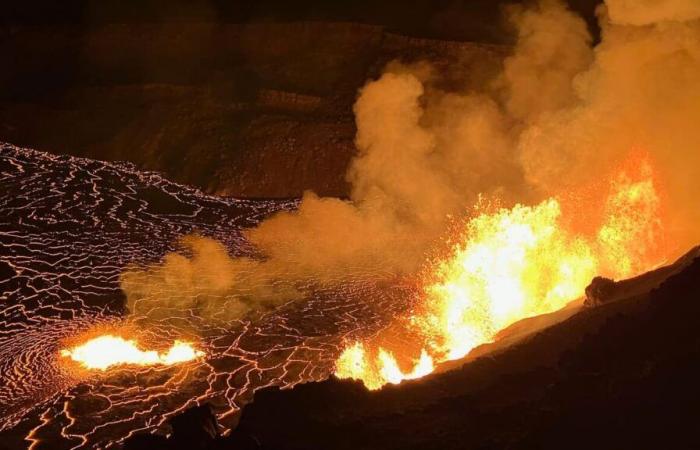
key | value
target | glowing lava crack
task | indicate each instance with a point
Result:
(107, 351)
(69, 227)
(509, 265)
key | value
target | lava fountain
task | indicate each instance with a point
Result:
(107, 351)
(511, 264)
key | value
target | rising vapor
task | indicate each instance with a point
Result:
(561, 114)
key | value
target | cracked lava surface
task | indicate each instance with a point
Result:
(68, 228)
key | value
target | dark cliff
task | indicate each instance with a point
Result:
(622, 374)
(258, 110)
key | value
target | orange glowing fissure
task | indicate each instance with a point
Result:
(509, 265)
(107, 351)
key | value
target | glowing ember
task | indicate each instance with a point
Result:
(106, 351)
(510, 265)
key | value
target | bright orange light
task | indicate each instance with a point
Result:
(106, 351)
(375, 373)
(513, 264)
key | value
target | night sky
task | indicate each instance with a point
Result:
(446, 19)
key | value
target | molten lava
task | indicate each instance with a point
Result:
(513, 264)
(106, 351)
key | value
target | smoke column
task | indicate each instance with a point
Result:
(560, 114)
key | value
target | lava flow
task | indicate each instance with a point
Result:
(509, 265)
(64, 263)
(106, 351)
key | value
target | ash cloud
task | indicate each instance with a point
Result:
(561, 114)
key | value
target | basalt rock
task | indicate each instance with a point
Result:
(194, 429)
(604, 290)
(599, 291)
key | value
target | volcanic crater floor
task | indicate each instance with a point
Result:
(68, 228)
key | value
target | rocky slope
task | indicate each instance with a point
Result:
(257, 110)
(622, 374)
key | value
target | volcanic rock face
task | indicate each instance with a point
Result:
(603, 290)
(623, 375)
(248, 110)
(194, 429)
(599, 291)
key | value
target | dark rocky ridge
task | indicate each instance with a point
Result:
(620, 375)
(257, 110)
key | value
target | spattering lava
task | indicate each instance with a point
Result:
(107, 351)
(508, 265)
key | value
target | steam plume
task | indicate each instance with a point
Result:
(647, 12)
(560, 114)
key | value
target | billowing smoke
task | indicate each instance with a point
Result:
(203, 280)
(640, 93)
(560, 114)
(553, 47)
(649, 12)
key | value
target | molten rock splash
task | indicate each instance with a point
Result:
(106, 351)
(509, 265)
